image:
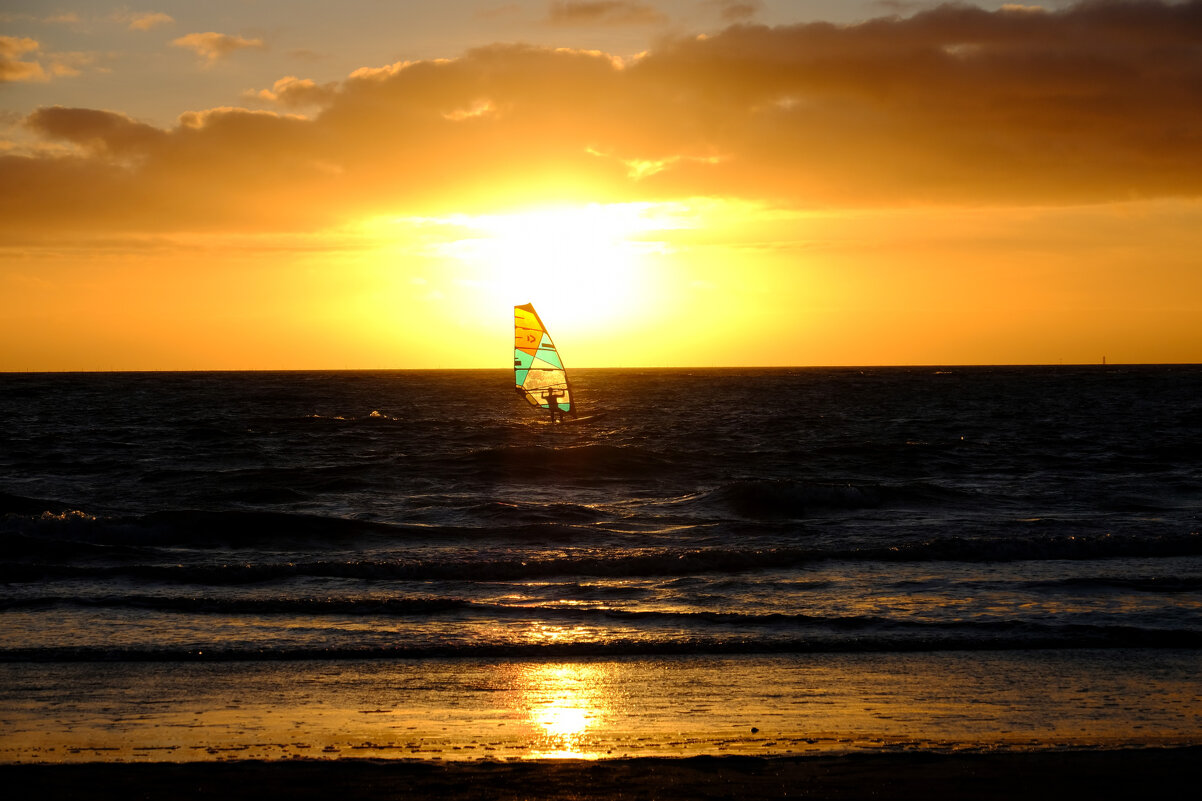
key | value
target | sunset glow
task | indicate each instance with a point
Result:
(692, 184)
(590, 264)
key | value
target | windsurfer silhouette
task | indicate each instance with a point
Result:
(552, 395)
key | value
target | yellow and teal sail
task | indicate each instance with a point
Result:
(538, 372)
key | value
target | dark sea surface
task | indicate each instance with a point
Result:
(171, 517)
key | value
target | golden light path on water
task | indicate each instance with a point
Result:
(562, 702)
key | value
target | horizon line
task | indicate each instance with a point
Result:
(922, 365)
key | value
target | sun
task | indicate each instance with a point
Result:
(602, 276)
(591, 264)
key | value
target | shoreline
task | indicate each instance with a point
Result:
(480, 711)
(1051, 774)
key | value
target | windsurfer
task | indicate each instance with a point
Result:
(552, 396)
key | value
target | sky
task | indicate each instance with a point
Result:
(286, 184)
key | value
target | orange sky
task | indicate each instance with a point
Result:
(675, 183)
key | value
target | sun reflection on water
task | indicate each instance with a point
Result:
(563, 703)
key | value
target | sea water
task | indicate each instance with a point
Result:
(760, 522)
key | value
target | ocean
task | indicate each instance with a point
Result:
(715, 541)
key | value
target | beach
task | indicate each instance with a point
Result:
(1142, 773)
(527, 709)
(1093, 724)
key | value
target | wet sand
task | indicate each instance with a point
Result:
(1125, 774)
(457, 710)
(1104, 724)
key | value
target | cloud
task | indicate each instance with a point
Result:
(955, 105)
(70, 64)
(603, 12)
(100, 131)
(148, 20)
(214, 46)
(737, 10)
(13, 67)
(293, 92)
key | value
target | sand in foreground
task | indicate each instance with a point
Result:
(468, 710)
(1145, 773)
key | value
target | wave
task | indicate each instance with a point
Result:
(666, 625)
(912, 639)
(194, 528)
(1151, 584)
(534, 462)
(549, 513)
(400, 607)
(20, 505)
(1043, 547)
(785, 498)
(274, 484)
(75, 535)
(481, 566)
(425, 606)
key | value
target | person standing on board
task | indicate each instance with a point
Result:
(552, 396)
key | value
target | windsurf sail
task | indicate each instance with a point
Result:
(538, 372)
